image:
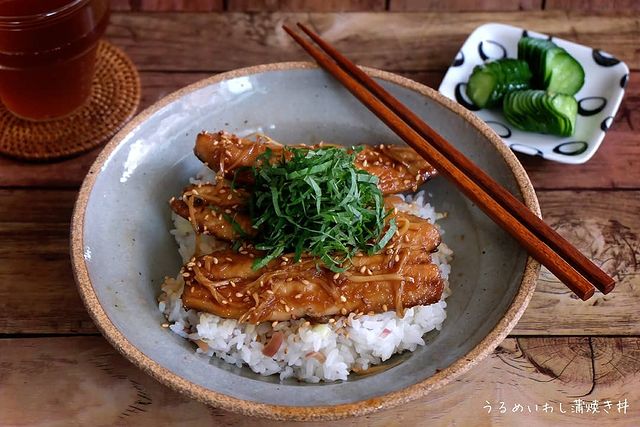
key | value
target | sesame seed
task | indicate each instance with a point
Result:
(336, 276)
(384, 307)
(229, 197)
(307, 323)
(343, 311)
(239, 294)
(298, 296)
(165, 325)
(332, 320)
(363, 269)
(225, 302)
(406, 237)
(369, 272)
(365, 163)
(286, 308)
(222, 191)
(289, 279)
(274, 324)
(418, 177)
(215, 260)
(284, 258)
(411, 280)
(343, 298)
(227, 211)
(305, 282)
(193, 288)
(185, 274)
(269, 291)
(397, 258)
(407, 181)
(229, 259)
(283, 263)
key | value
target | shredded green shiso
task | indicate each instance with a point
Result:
(317, 202)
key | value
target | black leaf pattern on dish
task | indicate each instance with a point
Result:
(483, 54)
(572, 148)
(526, 149)
(606, 123)
(461, 98)
(458, 60)
(500, 128)
(624, 80)
(586, 108)
(604, 59)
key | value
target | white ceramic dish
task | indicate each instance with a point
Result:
(598, 100)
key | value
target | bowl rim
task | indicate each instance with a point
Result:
(283, 412)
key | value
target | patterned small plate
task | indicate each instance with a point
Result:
(598, 100)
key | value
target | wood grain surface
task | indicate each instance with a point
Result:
(462, 5)
(369, 5)
(306, 5)
(394, 42)
(595, 5)
(56, 371)
(51, 381)
(34, 226)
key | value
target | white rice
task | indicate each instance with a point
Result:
(311, 353)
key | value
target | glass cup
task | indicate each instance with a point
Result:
(48, 54)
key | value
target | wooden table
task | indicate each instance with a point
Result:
(56, 369)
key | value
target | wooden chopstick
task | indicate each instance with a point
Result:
(548, 235)
(537, 248)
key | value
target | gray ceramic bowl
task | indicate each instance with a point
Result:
(121, 248)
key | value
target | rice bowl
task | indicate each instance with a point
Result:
(120, 254)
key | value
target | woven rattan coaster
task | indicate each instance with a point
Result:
(115, 96)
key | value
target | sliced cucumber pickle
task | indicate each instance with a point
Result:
(540, 111)
(553, 68)
(490, 82)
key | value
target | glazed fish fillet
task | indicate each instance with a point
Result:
(397, 168)
(223, 283)
(216, 210)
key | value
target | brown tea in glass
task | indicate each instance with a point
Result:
(47, 54)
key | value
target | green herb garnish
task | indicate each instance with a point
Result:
(317, 202)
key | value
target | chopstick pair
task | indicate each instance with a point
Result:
(554, 252)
